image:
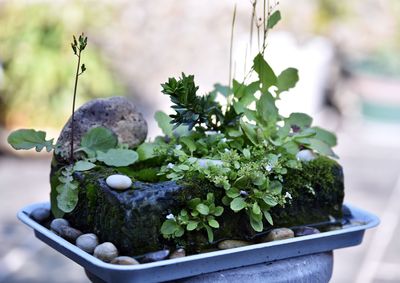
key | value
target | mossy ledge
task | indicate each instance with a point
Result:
(132, 219)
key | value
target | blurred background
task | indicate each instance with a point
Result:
(347, 53)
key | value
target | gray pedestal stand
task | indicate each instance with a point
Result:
(316, 268)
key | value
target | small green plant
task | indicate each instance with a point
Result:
(199, 215)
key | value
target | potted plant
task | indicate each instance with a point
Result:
(232, 178)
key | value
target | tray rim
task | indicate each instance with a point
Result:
(23, 215)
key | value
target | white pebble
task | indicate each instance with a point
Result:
(305, 155)
(119, 182)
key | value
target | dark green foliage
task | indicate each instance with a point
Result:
(193, 110)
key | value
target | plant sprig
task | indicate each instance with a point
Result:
(77, 47)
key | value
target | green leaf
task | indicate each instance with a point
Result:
(203, 209)
(326, 136)
(264, 71)
(67, 198)
(192, 225)
(179, 232)
(146, 151)
(287, 79)
(256, 222)
(29, 138)
(268, 217)
(275, 187)
(270, 200)
(99, 139)
(320, 147)
(239, 89)
(191, 145)
(118, 157)
(291, 147)
(267, 110)
(274, 19)
(194, 202)
(256, 208)
(169, 227)
(210, 198)
(224, 90)
(213, 223)
(164, 123)
(218, 211)
(238, 204)
(83, 165)
(210, 233)
(246, 153)
(233, 192)
(300, 120)
(249, 131)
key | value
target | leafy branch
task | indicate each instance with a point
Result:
(191, 109)
(77, 48)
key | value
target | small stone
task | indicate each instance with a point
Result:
(57, 224)
(305, 155)
(155, 256)
(178, 253)
(117, 114)
(106, 252)
(119, 182)
(278, 234)
(124, 260)
(40, 214)
(304, 231)
(230, 244)
(69, 233)
(87, 242)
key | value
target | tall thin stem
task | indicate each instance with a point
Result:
(231, 56)
(73, 108)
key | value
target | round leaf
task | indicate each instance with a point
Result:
(118, 157)
(192, 225)
(99, 139)
(203, 209)
(238, 204)
(83, 165)
(169, 227)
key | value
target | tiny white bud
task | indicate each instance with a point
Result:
(170, 216)
(268, 167)
(288, 195)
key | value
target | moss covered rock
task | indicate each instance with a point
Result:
(132, 219)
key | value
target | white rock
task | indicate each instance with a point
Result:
(119, 182)
(305, 155)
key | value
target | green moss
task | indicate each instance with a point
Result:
(317, 191)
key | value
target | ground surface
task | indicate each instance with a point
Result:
(368, 153)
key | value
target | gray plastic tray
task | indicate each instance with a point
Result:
(207, 262)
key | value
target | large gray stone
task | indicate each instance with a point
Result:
(117, 113)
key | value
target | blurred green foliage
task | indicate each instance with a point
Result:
(39, 65)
